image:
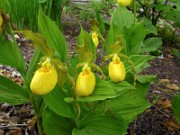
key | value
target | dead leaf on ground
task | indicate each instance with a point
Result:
(172, 86)
(17, 131)
(164, 81)
(164, 103)
(32, 123)
(171, 125)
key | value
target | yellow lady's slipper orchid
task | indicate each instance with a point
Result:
(124, 2)
(85, 82)
(117, 71)
(44, 79)
(95, 38)
(1, 20)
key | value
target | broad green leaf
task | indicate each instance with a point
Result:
(10, 55)
(98, 124)
(138, 62)
(151, 44)
(134, 37)
(102, 91)
(55, 101)
(11, 92)
(121, 87)
(149, 27)
(176, 107)
(127, 107)
(140, 92)
(38, 41)
(55, 124)
(122, 17)
(33, 65)
(53, 35)
(146, 78)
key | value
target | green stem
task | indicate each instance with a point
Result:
(39, 123)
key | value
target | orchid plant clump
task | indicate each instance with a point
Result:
(75, 95)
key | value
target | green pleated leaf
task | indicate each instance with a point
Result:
(149, 27)
(55, 124)
(11, 92)
(176, 107)
(55, 101)
(102, 91)
(53, 35)
(127, 107)
(121, 87)
(98, 124)
(134, 37)
(138, 61)
(10, 55)
(146, 78)
(122, 17)
(151, 44)
(140, 91)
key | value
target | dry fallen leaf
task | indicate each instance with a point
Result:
(172, 86)
(171, 125)
(164, 81)
(17, 131)
(31, 123)
(164, 103)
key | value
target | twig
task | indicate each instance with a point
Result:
(158, 14)
(16, 125)
(162, 112)
(170, 24)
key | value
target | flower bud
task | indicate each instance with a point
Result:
(124, 2)
(44, 79)
(85, 82)
(117, 70)
(95, 38)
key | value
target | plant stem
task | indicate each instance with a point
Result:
(154, 20)
(38, 119)
(39, 126)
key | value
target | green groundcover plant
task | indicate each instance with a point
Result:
(74, 95)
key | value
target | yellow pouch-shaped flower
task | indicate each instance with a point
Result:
(95, 38)
(124, 2)
(85, 82)
(44, 79)
(117, 71)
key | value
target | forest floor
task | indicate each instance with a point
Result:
(156, 120)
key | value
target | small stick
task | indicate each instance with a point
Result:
(16, 125)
